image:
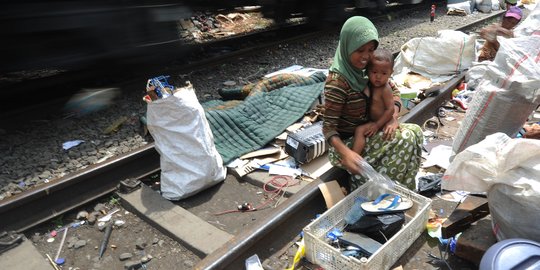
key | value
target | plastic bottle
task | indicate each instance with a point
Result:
(356, 212)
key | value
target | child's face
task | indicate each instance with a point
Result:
(509, 22)
(379, 72)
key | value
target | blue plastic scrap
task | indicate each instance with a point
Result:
(334, 234)
(160, 82)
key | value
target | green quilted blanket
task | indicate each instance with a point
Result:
(245, 126)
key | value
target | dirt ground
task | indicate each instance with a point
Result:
(129, 244)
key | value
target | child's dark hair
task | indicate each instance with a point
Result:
(381, 54)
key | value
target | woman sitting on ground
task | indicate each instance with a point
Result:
(396, 150)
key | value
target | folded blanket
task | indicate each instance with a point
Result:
(244, 126)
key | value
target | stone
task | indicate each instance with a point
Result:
(92, 217)
(129, 265)
(146, 258)
(189, 264)
(79, 244)
(82, 215)
(99, 207)
(71, 241)
(140, 244)
(229, 83)
(125, 256)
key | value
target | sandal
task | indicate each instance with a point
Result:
(386, 204)
(432, 125)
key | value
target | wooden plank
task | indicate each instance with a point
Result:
(470, 210)
(474, 242)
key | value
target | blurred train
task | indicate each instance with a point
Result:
(64, 34)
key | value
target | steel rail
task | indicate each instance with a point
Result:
(34, 206)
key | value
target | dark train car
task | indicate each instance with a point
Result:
(67, 34)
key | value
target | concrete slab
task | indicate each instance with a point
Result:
(24, 256)
(175, 221)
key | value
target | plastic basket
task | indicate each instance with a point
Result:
(318, 251)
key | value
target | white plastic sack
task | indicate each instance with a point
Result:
(531, 25)
(182, 135)
(484, 6)
(465, 6)
(509, 170)
(475, 75)
(447, 54)
(508, 94)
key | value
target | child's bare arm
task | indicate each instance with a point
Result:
(388, 112)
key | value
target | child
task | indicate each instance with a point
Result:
(381, 102)
(511, 18)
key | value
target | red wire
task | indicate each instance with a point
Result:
(278, 189)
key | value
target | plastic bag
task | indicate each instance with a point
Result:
(372, 175)
(189, 159)
(378, 227)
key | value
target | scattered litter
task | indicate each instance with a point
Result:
(52, 262)
(57, 260)
(454, 196)
(439, 156)
(300, 253)
(229, 83)
(108, 216)
(119, 223)
(105, 240)
(253, 263)
(274, 169)
(115, 125)
(69, 144)
(50, 240)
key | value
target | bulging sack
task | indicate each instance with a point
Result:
(182, 135)
(447, 54)
(507, 94)
(509, 171)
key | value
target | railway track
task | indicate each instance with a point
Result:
(56, 197)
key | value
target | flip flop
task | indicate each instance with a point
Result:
(386, 204)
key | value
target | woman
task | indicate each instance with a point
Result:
(395, 151)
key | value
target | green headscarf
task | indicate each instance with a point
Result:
(356, 32)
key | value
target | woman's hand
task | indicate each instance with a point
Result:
(532, 131)
(389, 129)
(351, 161)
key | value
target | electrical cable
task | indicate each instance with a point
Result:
(278, 190)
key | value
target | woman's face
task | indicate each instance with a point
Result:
(360, 57)
(509, 22)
